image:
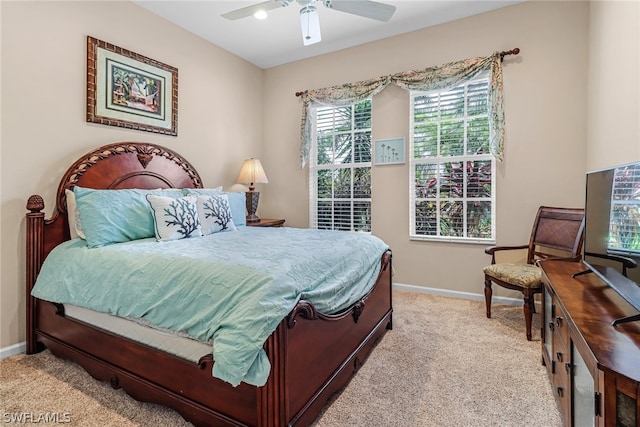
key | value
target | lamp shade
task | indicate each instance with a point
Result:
(251, 172)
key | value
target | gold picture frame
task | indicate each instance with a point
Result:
(129, 90)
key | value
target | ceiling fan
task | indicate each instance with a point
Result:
(309, 14)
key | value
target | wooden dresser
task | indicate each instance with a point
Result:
(593, 366)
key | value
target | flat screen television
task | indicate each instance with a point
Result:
(612, 230)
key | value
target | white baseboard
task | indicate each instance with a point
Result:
(12, 350)
(457, 294)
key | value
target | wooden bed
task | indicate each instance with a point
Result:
(312, 355)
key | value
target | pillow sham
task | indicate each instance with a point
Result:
(203, 191)
(218, 188)
(114, 216)
(215, 214)
(73, 216)
(237, 202)
(174, 218)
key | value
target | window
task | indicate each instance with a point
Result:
(340, 168)
(452, 183)
(624, 232)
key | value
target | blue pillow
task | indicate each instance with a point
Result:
(237, 202)
(114, 216)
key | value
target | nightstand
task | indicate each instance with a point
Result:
(266, 222)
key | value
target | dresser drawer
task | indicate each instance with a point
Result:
(561, 325)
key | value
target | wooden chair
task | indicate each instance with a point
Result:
(557, 233)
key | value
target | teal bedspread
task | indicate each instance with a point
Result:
(233, 288)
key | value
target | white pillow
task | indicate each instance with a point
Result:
(215, 214)
(174, 218)
(75, 225)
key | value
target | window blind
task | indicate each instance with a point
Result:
(452, 184)
(340, 168)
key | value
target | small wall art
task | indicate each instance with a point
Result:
(131, 91)
(389, 151)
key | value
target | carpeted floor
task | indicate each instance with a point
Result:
(443, 364)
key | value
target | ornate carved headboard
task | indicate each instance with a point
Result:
(128, 165)
(114, 166)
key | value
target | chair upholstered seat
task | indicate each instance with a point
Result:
(524, 275)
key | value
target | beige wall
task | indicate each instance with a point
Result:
(43, 113)
(613, 119)
(545, 107)
(556, 93)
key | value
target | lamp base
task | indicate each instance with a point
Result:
(252, 205)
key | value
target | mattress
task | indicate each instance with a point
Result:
(167, 341)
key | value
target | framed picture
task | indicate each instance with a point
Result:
(389, 151)
(129, 90)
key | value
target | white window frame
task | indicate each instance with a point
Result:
(314, 168)
(438, 160)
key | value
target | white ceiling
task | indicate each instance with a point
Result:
(278, 40)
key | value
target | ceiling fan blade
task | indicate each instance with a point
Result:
(369, 9)
(310, 25)
(250, 10)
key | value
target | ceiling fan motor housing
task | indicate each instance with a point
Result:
(309, 14)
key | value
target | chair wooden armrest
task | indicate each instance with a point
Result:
(491, 250)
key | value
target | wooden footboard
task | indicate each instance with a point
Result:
(324, 352)
(312, 356)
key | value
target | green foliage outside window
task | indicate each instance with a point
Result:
(343, 142)
(453, 172)
(624, 224)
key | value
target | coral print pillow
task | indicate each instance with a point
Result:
(175, 218)
(215, 214)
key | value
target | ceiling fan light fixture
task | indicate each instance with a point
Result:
(260, 14)
(310, 25)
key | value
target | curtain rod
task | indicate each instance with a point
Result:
(509, 52)
(504, 53)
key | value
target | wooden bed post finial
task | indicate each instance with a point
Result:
(35, 256)
(35, 204)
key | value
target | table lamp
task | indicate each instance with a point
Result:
(251, 172)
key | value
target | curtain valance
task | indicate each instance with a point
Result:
(430, 78)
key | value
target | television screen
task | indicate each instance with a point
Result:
(612, 213)
(612, 222)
